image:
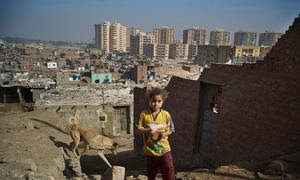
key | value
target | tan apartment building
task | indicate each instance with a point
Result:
(194, 36)
(219, 37)
(156, 51)
(164, 35)
(178, 51)
(102, 36)
(208, 54)
(118, 38)
(268, 38)
(162, 51)
(130, 32)
(239, 51)
(110, 37)
(138, 41)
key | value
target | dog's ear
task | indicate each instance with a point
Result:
(114, 149)
(73, 122)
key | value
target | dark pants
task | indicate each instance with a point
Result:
(164, 163)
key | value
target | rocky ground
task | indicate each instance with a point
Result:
(35, 145)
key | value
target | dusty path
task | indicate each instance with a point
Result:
(36, 145)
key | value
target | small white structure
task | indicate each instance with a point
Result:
(52, 65)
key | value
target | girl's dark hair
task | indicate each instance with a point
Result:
(157, 91)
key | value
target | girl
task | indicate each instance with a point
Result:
(156, 125)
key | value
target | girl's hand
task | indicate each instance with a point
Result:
(163, 134)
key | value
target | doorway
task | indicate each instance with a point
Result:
(210, 104)
(122, 120)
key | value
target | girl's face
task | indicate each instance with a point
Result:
(156, 102)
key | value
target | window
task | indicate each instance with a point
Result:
(1, 98)
(102, 118)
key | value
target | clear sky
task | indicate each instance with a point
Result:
(74, 20)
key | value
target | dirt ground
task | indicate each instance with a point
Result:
(35, 145)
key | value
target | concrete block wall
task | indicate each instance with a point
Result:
(87, 115)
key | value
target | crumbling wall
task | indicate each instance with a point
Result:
(88, 115)
(259, 115)
(85, 101)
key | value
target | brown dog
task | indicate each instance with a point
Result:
(92, 139)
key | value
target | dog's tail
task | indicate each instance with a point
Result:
(73, 122)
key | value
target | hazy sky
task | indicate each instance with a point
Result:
(74, 20)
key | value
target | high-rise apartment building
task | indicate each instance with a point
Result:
(130, 32)
(118, 37)
(110, 37)
(138, 41)
(156, 51)
(162, 51)
(243, 38)
(194, 36)
(219, 37)
(268, 38)
(164, 35)
(102, 36)
(178, 51)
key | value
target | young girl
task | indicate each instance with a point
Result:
(156, 125)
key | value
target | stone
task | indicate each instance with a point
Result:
(96, 177)
(130, 178)
(76, 178)
(114, 173)
(278, 167)
(29, 164)
(142, 177)
(28, 125)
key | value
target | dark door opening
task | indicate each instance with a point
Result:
(210, 104)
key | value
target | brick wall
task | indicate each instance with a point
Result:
(259, 115)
